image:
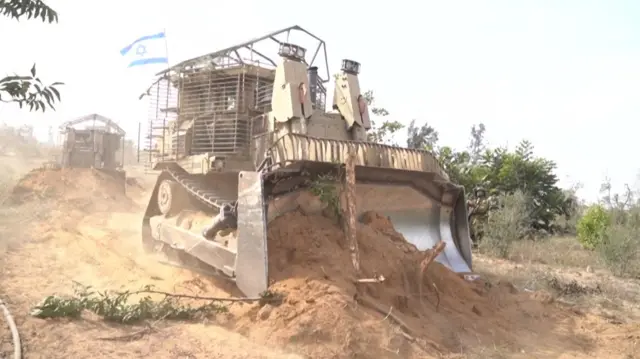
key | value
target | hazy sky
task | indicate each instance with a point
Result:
(562, 74)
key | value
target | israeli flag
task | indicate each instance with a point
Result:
(150, 49)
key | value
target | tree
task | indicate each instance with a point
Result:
(507, 172)
(422, 138)
(521, 170)
(380, 133)
(496, 169)
(456, 164)
(28, 90)
(477, 144)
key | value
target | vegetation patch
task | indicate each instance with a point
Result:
(120, 307)
(326, 188)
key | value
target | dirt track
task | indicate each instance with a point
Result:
(92, 237)
(96, 243)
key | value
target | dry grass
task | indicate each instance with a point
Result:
(554, 251)
(558, 265)
(570, 273)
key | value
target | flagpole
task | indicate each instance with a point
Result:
(168, 76)
(166, 47)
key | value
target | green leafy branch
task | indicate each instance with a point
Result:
(29, 91)
(324, 186)
(117, 306)
(32, 9)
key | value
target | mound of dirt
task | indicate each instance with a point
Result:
(327, 314)
(69, 185)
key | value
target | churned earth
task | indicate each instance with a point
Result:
(76, 226)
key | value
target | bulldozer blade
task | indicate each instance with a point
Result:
(424, 229)
(251, 264)
(424, 209)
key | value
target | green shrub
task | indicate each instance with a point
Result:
(505, 225)
(592, 226)
(620, 246)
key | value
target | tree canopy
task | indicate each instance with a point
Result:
(28, 90)
(498, 170)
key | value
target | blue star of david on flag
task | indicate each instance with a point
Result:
(147, 50)
(141, 50)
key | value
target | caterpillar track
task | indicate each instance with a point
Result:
(194, 186)
(170, 253)
(213, 193)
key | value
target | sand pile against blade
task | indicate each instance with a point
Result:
(325, 314)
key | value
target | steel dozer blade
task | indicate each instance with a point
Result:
(424, 209)
(251, 262)
(422, 206)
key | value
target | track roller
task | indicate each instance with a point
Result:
(171, 197)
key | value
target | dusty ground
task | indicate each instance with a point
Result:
(92, 238)
(78, 228)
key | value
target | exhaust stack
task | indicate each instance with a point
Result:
(348, 100)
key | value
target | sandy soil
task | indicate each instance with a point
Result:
(87, 232)
(92, 237)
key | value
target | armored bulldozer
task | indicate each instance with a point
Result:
(93, 141)
(237, 137)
